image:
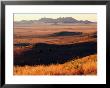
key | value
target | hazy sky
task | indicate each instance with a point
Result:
(90, 17)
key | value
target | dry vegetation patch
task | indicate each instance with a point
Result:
(81, 66)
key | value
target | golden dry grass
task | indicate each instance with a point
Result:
(82, 66)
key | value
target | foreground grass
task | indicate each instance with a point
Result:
(82, 66)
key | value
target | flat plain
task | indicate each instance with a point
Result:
(55, 49)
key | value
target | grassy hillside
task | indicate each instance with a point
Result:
(80, 66)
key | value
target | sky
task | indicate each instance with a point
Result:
(36, 16)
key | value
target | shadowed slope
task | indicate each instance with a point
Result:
(82, 66)
(42, 53)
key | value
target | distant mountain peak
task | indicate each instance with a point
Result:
(57, 20)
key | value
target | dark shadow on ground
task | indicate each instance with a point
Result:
(46, 54)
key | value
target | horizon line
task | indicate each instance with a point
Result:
(51, 18)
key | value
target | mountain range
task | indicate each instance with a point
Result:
(55, 21)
